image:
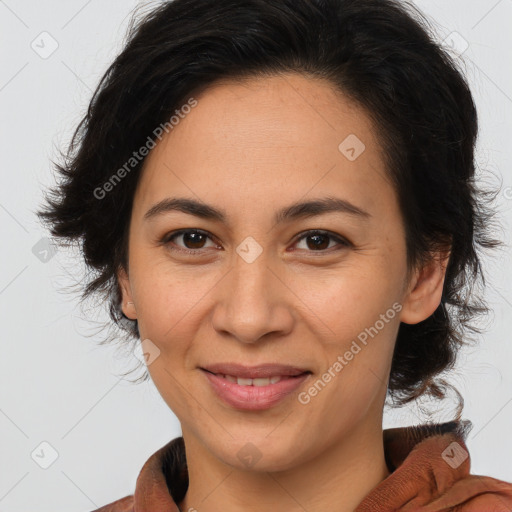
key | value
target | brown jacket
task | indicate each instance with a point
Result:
(429, 467)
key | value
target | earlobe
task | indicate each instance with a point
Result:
(424, 295)
(127, 303)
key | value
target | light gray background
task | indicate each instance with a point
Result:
(57, 385)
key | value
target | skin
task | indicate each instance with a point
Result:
(250, 149)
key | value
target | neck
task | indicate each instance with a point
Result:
(338, 478)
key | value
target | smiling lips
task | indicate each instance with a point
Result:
(262, 381)
(254, 372)
(254, 388)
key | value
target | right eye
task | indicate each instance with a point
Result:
(192, 237)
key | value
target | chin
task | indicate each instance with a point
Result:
(259, 452)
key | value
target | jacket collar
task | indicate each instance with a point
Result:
(429, 467)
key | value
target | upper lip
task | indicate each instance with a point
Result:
(253, 372)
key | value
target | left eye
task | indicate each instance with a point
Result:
(197, 237)
(318, 238)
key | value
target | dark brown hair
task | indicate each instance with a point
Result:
(377, 52)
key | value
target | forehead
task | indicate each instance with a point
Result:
(264, 140)
(276, 112)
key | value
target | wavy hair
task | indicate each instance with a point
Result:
(382, 54)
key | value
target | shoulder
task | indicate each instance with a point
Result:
(122, 505)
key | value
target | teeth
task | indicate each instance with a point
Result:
(252, 382)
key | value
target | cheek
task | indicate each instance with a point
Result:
(357, 352)
(359, 317)
(347, 300)
(169, 301)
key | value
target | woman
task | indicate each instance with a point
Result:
(278, 198)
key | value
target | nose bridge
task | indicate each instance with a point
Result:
(250, 262)
(250, 305)
(250, 283)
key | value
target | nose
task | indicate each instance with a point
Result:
(253, 301)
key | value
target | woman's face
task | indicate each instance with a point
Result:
(257, 289)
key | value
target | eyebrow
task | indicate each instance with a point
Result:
(299, 210)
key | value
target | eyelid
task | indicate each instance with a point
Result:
(342, 241)
(311, 232)
(166, 239)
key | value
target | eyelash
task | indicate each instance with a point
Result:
(168, 237)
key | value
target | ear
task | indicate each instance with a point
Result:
(127, 302)
(425, 289)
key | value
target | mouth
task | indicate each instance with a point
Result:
(256, 381)
(254, 373)
(258, 388)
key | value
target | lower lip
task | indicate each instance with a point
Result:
(254, 398)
